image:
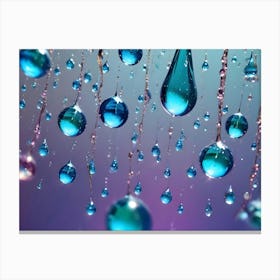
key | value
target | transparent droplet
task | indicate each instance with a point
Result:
(140, 156)
(166, 197)
(71, 121)
(40, 185)
(251, 70)
(34, 85)
(167, 173)
(104, 192)
(225, 109)
(76, 85)
(229, 196)
(250, 97)
(206, 116)
(179, 145)
(114, 166)
(158, 159)
(113, 112)
(44, 149)
(40, 104)
(138, 188)
(128, 213)
(130, 57)
(48, 116)
(216, 160)
(180, 208)
(154, 107)
(23, 88)
(191, 172)
(95, 87)
(196, 124)
(91, 167)
(131, 75)
(246, 196)
(87, 77)
(27, 167)
(134, 138)
(236, 125)
(208, 209)
(70, 64)
(57, 71)
(91, 208)
(155, 150)
(178, 93)
(141, 98)
(137, 110)
(35, 63)
(254, 146)
(144, 68)
(105, 67)
(255, 185)
(205, 65)
(55, 84)
(22, 104)
(234, 59)
(67, 173)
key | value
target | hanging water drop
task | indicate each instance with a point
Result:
(22, 104)
(55, 84)
(113, 112)
(191, 172)
(180, 208)
(91, 167)
(23, 88)
(33, 85)
(206, 116)
(134, 138)
(71, 121)
(40, 104)
(251, 70)
(178, 93)
(95, 87)
(104, 192)
(141, 98)
(253, 146)
(27, 167)
(225, 110)
(234, 59)
(91, 208)
(35, 63)
(128, 213)
(130, 57)
(167, 173)
(39, 186)
(196, 124)
(236, 125)
(70, 63)
(114, 166)
(166, 197)
(48, 116)
(229, 196)
(67, 173)
(57, 71)
(140, 156)
(179, 145)
(158, 159)
(208, 209)
(76, 85)
(105, 67)
(87, 77)
(205, 65)
(44, 149)
(155, 150)
(154, 107)
(138, 188)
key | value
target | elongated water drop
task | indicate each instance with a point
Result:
(138, 188)
(236, 125)
(155, 150)
(229, 196)
(27, 167)
(191, 172)
(114, 166)
(91, 208)
(180, 208)
(208, 209)
(178, 93)
(104, 192)
(134, 138)
(166, 196)
(130, 57)
(76, 85)
(95, 87)
(67, 173)
(251, 70)
(48, 116)
(179, 145)
(44, 149)
(140, 156)
(22, 104)
(253, 146)
(91, 167)
(206, 116)
(105, 67)
(167, 173)
(205, 65)
(57, 71)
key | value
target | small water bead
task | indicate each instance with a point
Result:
(141, 98)
(229, 196)
(138, 188)
(67, 173)
(55, 84)
(91, 167)
(234, 59)
(129, 213)
(236, 125)
(43, 149)
(113, 112)
(76, 85)
(39, 104)
(225, 109)
(137, 110)
(134, 138)
(154, 107)
(130, 57)
(70, 64)
(87, 77)
(34, 85)
(180, 208)
(71, 121)
(246, 195)
(57, 71)
(155, 150)
(35, 63)
(166, 196)
(251, 70)
(196, 124)
(22, 104)
(131, 75)
(23, 88)
(144, 68)
(255, 185)
(40, 185)
(48, 116)
(114, 166)
(95, 87)
(158, 159)
(205, 65)
(191, 172)
(206, 116)
(91, 208)
(140, 156)
(208, 209)
(167, 173)
(104, 192)
(105, 67)
(27, 167)
(253, 146)
(179, 145)
(216, 160)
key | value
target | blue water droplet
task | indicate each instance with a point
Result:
(114, 166)
(254, 146)
(55, 84)
(22, 104)
(155, 150)
(71, 121)
(48, 116)
(216, 160)
(225, 109)
(180, 208)
(167, 173)
(67, 173)
(43, 149)
(205, 65)
(138, 188)
(128, 213)
(140, 156)
(104, 192)
(251, 70)
(91, 167)
(141, 98)
(134, 138)
(234, 59)
(144, 68)
(35, 63)
(137, 110)
(179, 145)
(130, 57)
(158, 159)
(229, 196)
(40, 185)
(34, 85)
(113, 112)
(87, 77)
(40, 104)
(23, 88)
(105, 67)
(206, 116)
(166, 197)
(178, 93)
(154, 107)
(191, 172)
(131, 75)
(70, 64)
(57, 71)
(208, 209)
(95, 87)
(91, 208)
(236, 125)
(255, 185)
(76, 85)
(196, 124)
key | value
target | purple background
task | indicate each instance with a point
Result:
(62, 207)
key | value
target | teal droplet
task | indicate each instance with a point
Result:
(180, 208)
(130, 57)
(91, 208)
(140, 156)
(167, 173)
(57, 71)
(70, 64)
(208, 210)
(196, 124)
(91, 167)
(191, 172)
(76, 85)
(251, 70)
(166, 197)
(236, 125)
(138, 188)
(134, 138)
(205, 65)
(104, 192)
(95, 87)
(48, 116)
(67, 173)
(87, 77)
(206, 116)
(44, 149)
(105, 67)
(229, 196)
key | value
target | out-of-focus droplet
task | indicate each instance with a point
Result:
(154, 107)
(166, 196)
(27, 167)
(250, 97)
(130, 57)
(180, 208)
(234, 59)
(39, 185)
(91, 208)
(40, 104)
(22, 104)
(67, 173)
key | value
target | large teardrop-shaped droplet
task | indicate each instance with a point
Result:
(67, 173)
(251, 70)
(155, 150)
(229, 196)
(128, 213)
(178, 92)
(35, 63)
(113, 112)
(71, 121)
(27, 167)
(130, 57)
(236, 125)
(216, 160)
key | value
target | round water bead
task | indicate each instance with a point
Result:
(71, 121)
(91, 209)
(87, 77)
(95, 87)
(76, 85)
(57, 71)
(128, 213)
(130, 57)
(179, 145)
(114, 166)
(35, 63)
(67, 173)
(191, 172)
(140, 156)
(105, 67)
(229, 196)
(113, 112)
(196, 124)
(27, 167)
(206, 116)
(167, 172)
(236, 125)
(216, 160)
(155, 150)
(166, 197)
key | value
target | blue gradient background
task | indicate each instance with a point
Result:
(62, 207)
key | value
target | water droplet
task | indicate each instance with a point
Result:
(71, 121)
(104, 192)
(67, 173)
(254, 146)
(40, 104)
(191, 172)
(196, 124)
(22, 104)
(178, 93)
(254, 213)
(144, 67)
(91, 208)
(70, 64)
(205, 65)
(250, 97)
(234, 59)
(154, 107)
(236, 125)
(141, 98)
(134, 138)
(113, 112)
(55, 84)
(91, 167)
(27, 167)
(140, 156)
(23, 88)
(180, 208)
(130, 57)
(40, 185)
(137, 110)
(35, 63)
(255, 185)
(48, 116)
(158, 159)
(114, 166)
(57, 71)
(95, 87)
(167, 173)
(216, 160)
(33, 85)
(229, 196)
(105, 67)
(76, 85)
(44, 149)
(251, 70)
(206, 116)
(87, 77)
(155, 150)
(128, 213)
(225, 109)
(166, 197)
(138, 188)
(208, 209)
(179, 145)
